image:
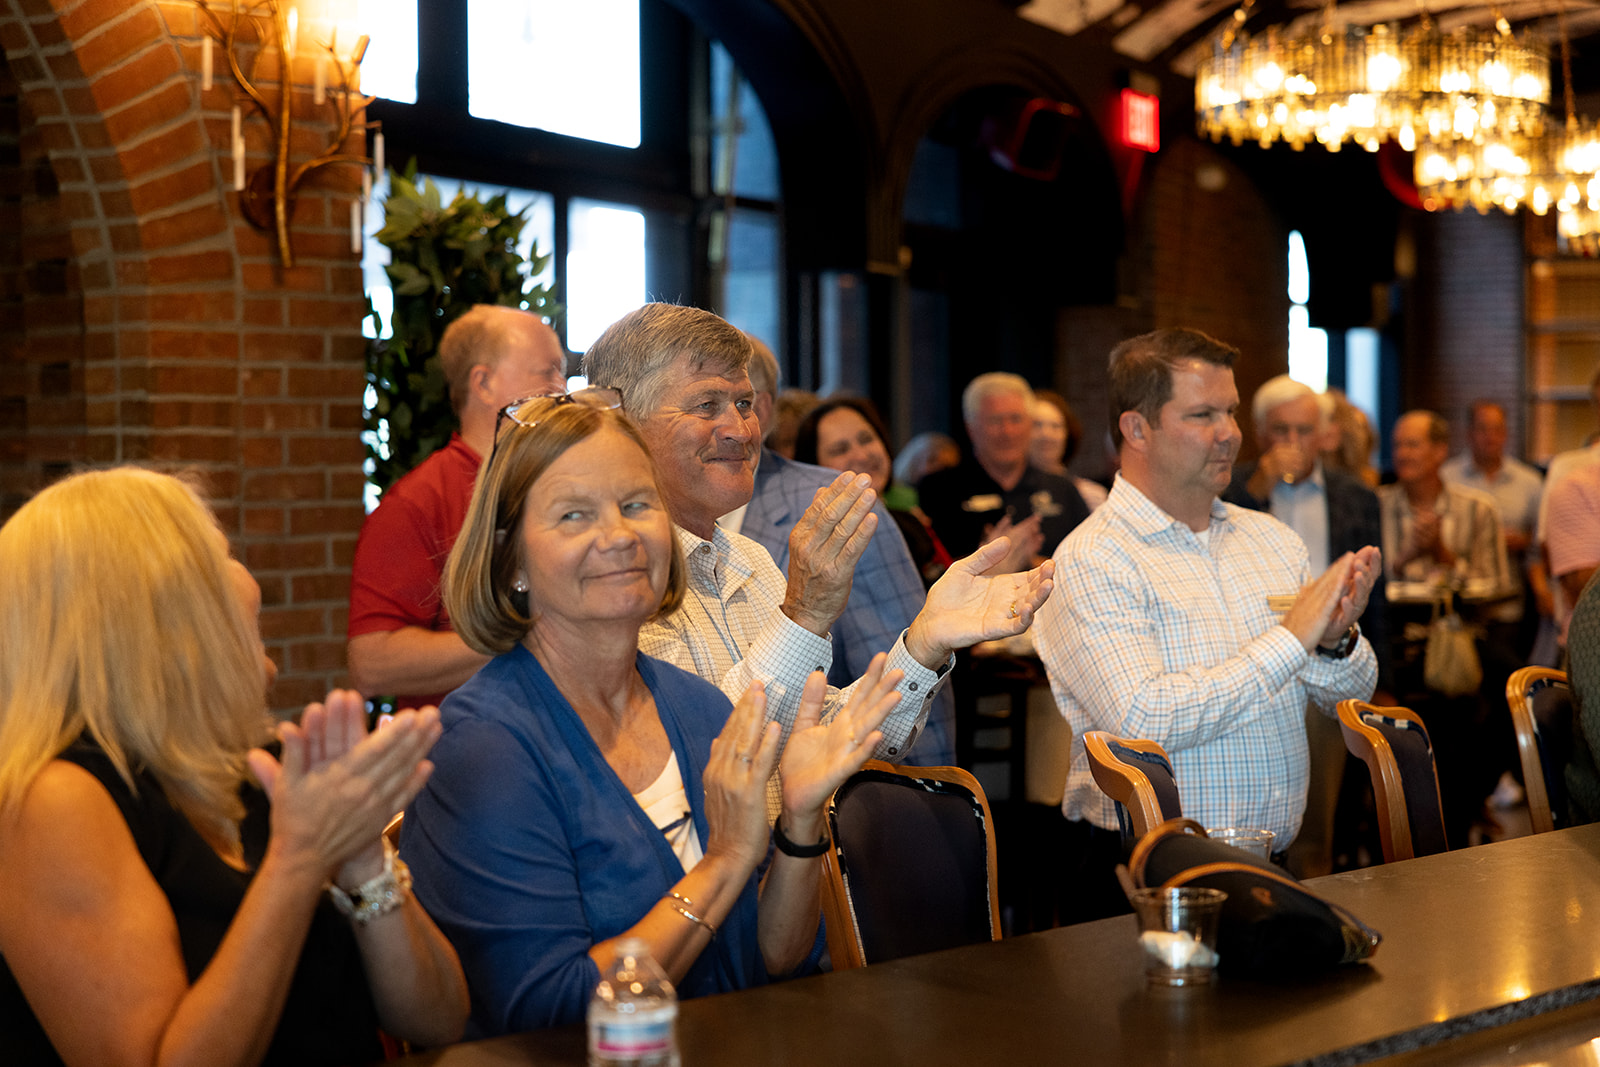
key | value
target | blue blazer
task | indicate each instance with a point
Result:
(885, 597)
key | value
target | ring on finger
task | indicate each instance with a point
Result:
(744, 758)
(1013, 609)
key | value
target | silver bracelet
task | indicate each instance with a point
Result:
(691, 916)
(378, 895)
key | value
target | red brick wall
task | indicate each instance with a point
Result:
(157, 326)
(1209, 253)
(1466, 339)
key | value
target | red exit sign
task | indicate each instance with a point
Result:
(1141, 120)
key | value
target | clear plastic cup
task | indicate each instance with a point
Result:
(1178, 934)
(1255, 842)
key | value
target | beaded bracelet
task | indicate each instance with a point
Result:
(378, 895)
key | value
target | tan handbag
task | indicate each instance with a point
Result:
(1450, 660)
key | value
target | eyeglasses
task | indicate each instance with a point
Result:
(527, 410)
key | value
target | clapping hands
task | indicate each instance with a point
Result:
(821, 755)
(335, 786)
(974, 601)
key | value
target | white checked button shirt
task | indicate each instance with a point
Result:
(1154, 633)
(731, 631)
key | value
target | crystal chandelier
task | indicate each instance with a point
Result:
(1561, 169)
(1366, 85)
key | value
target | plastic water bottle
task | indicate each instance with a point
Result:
(633, 1015)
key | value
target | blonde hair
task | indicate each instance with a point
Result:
(484, 610)
(119, 621)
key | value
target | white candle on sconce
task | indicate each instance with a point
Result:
(294, 29)
(205, 65)
(236, 146)
(355, 226)
(377, 154)
(319, 82)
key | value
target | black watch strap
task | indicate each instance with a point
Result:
(1346, 645)
(789, 848)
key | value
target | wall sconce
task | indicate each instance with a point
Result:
(267, 197)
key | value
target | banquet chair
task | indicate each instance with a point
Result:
(1541, 710)
(911, 867)
(1136, 774)
(1394, 744)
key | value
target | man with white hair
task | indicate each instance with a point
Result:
(400, 640)
(996, 490)
(684, 378)
(1334, 513)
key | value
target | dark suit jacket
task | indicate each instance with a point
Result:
(886, 595)
(1352, 524)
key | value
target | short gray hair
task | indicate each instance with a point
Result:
(993, 384)
(635, 353)
(1281, 390)
(764, 373)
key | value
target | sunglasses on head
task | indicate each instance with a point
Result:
(528, 410)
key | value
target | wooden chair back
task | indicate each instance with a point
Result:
(1540, 699)
(1136, 774)
(1394, 744)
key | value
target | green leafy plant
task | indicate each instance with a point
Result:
(444, 258)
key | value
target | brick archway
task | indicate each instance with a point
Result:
(154, 326)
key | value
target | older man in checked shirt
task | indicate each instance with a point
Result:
(1162, 628)
(684, 378)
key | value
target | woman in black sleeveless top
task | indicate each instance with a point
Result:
(157, 904)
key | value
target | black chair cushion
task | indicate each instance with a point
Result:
(1551, 705)
(1413, 754)
(914, 858)
(1159, 771)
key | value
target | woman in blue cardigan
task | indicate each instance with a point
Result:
(584, 792)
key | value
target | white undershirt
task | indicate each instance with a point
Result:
(667, 805)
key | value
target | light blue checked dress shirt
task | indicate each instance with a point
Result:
(1153, 632)
(731, 631)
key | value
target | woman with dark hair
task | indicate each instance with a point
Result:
(846, 433)
(586, 793)
(1057, 433)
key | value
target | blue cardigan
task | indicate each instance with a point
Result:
(527, 849)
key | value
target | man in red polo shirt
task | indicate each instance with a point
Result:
(400, 640)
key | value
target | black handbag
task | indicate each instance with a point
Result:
(1271, 924)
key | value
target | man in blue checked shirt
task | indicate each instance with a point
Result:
(1162, 628)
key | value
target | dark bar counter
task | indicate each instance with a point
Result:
(1486, 952)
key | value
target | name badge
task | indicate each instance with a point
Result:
(983, 502)
(1280, 603)
(1044, 505)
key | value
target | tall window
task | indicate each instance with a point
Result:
(745, 248)
(1308, 347)
(569, 68)
(544, 99)
(390, 67)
